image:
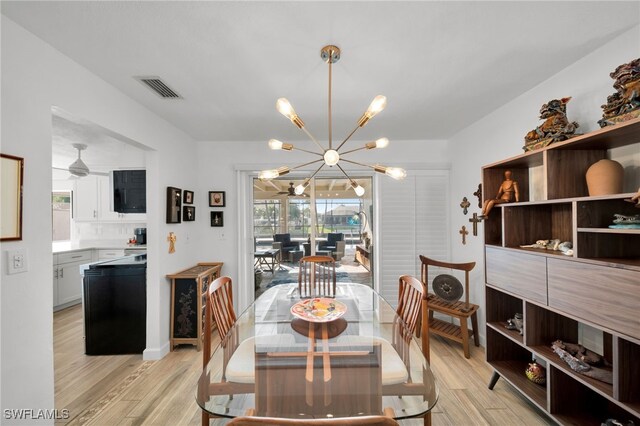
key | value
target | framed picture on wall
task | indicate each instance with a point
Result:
(11, 169)
(174, 204)
(217, 199)
(217, 218)
(189, 213)
(187, 197)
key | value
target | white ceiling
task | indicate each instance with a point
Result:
(442, 65)
(105, 150)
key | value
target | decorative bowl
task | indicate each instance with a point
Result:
(319, 309)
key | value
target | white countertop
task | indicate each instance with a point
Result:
(70, 246)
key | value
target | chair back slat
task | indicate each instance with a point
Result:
(412, 308)
(317, 276)
(221, 303)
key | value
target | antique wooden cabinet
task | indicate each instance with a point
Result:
(188, 297)
(596, 288)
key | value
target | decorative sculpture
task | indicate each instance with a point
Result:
(515, 323)
(172, 242)
(465, 205)
(556, 126)
(624, 104)
(507, 193)
(635, 199)
(478, 194)
(583, 361)
(565, 247)
(626, 222)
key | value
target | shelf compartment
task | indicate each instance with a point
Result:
(525, 225)
(599, 213)
(500, 307)
(510, 360)
(623, 246)
(493, 228)
(517, 272)
(566, 170)
(628, 390)
(606, 296)
(579, 405)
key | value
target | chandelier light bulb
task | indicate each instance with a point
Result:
(331, 157)
(284, 107)
(382, 143)
(359, 190)
(300, 188)
(377, 104)
(396, 172)
(275, 144)
(379, 143)
(273, 173)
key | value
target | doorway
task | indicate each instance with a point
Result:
(328, 219)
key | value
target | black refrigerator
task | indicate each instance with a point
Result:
(115, 306)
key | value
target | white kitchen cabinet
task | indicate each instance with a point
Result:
(67, 281)
(106, 254)
(85, 199)
(92, 202)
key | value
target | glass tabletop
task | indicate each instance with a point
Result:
(275, 364)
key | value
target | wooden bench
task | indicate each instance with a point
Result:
(460, 310)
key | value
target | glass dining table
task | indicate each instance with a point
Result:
(275, 364)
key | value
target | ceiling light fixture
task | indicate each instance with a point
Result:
(331, 156)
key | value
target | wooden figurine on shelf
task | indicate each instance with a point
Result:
(507, 193)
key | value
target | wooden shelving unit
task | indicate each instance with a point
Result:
(597, 286)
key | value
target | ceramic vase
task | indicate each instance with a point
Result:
(605, 177)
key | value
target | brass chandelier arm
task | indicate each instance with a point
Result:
(306, 164)
(316, 172)
(345, 173)
(304, 129)
(306, 150)
(361, 164)
(348, 137)
(353, 150)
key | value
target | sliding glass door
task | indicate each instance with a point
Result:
(328, 219)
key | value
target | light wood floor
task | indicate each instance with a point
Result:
(125, 390)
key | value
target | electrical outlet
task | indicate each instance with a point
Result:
(17, 261)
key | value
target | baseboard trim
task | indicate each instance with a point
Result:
(154, 354)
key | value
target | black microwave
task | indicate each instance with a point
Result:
(129, 189)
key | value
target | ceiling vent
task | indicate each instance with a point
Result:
(159, 87)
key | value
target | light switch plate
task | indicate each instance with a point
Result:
(17, 261)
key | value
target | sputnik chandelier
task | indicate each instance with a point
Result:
(331, 157)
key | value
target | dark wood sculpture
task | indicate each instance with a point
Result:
(624, 104)
(478, 194)
(556, 126)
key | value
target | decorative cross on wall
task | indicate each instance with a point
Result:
(465, 205)
(464, 234)
(478, 194)
(475, 221)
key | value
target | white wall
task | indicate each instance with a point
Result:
(500, 135)
(219, 163)
(36, 77)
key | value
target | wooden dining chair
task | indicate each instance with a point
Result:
(317, 276)
(413, 308)
(346, 421)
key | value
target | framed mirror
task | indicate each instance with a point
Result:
(11, 174)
